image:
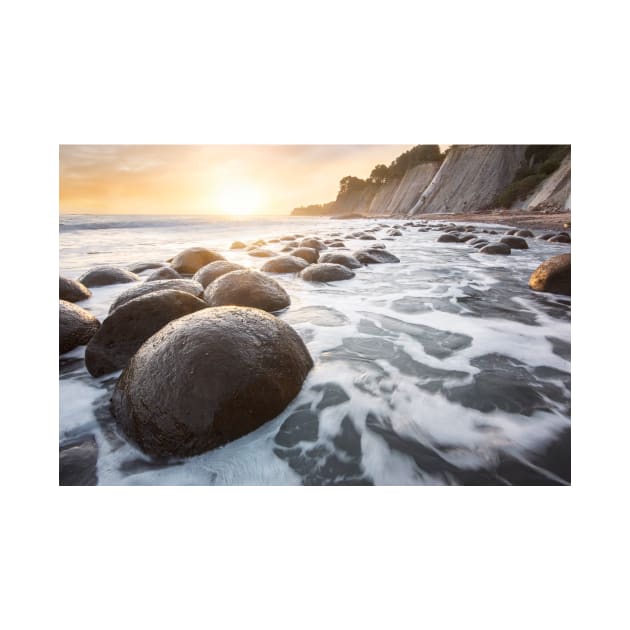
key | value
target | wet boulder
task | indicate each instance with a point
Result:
(309, 254)
(241, 368)
(374, 256)
(525, 233)
(164, 273)
(553, 276)
(466, 237)
(76, 326)
(500, 249)
(285, 264)
(448, 238)
(515, 242)
(511, 232)
(337, 244)
(210, 272)
(72, 291)
(326, 272)
(107, 274)
(394, 232)
(143, 266)
(247, 288)
(193, 258)
(238, 245)
(77, 462)
(313, 243)
(259, 252)
(479, 244)
(560, 238)
(337, 258)
(184, 284)
(129, 326)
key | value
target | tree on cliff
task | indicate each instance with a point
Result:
(379, 174)
(349, 184)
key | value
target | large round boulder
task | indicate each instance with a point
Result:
(500, 249)
(466, 237)
(553, 276)
(515, 242)
(193, 258)
(337, 244)
(326, 272)
(546, 236)
(163, 273)
(130, 325)
(215, 270)
(238, 245)
(143, 266)
(313, 243)
(72, 291)
(184, 284)
(247, 288)
(260, 252)
(448, 238)
(375, 256)
(560, 238)
(309, 254)
(76, 326)
(284, 264)
(208, 378)
(337, 258)
(107, 274)
(525, 233)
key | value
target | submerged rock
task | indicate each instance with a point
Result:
(164, 273)
(337, 258)
(560, 238)
(107, 274)
(210, 272)
(525, 233)
(546, 236)
(186, 285)
(76, 326)
(284, 264)
(375, 256)
(554, 275)
(130, 325)
(247, 288)
(496, 248)
(326, 272)
(77, 462)
(448, 238)
(72, 291)
(143, 266)
(309, 254)
(515, 242)
(193, 258)
(241, 368)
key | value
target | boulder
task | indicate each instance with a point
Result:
(285, 264)
(247, 288)
(143, 266)
(525, 233)
(76, 326)
(366, 237)
(107, 274)
(337, 258)
(394, 232)
(164, 273)
(186, 285)
(261, 253)
(375, 256)
(326, 272)
(72, 291)
(309, 254)
(560, 238)
(313, 243)
(130, 325)
(479, 244)
(77, 462)
(466, 237)
(553, 276)
(238, 245)
(546, 236)
(448, 238)
(337, 244)
(500, 249)
(515, 242)
(511, 232)
(210, 272)
(241, 368)
(194, 258)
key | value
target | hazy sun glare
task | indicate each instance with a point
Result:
(237, 198)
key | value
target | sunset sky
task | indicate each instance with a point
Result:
(213, 179)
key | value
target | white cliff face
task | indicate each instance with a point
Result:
(470, 177)
(556, 189)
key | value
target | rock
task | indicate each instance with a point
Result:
(448, 238)
(466, 237)
(247, 288)
(496, 248)
(76, 326)
(479, 244)
(510, 232)
(525, 233)
(107, 274)
(210, 272)
(186, 285)
(313, 243)
(129, 326)
(238, 245)
(193, 258)
(374, 256)
(164, 273)
(143, 266)
(77, 462)
(72, 291)
(338, 258)
(378, 246)
(326, 272)
(515, 242)
(546, 236)
(560, 238)
(553, 276)
(285, 264)
(337, 244)
(241, 368)
(261, 253)
(260, 242)
(288, 237)
(367, 237)
(309, 254)
(394, 233)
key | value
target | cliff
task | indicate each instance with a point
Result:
(555, 191)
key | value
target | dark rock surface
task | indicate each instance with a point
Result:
(193, 258)
(107, 274)
(313, 243)
(164, 273)
(77, 462)
(309, 254)
(374, 256)
(186, 285)
(554, 275)
(337, 258)
(448, 238)
(515, 242)
(326, 272)
(72, 291)
(143, 266)
(496, 248)
(285, 264)
(76, 326)
(210, 272)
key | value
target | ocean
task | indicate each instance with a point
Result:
(442, 369)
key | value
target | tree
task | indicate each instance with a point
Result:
(379, 174)
(350, 184)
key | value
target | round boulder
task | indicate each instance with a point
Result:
(479, 244)
(374, 256)
(128, 327)
(285, 264)
(337, 244)
(326, 272)
(560, 238)
(313, 243)
(241, 367)
(143, 266)
(76, 326)
(247, 288)
(107, 274)
(448, 238)
(193, 258)
(309, 254)
(238, 245)
(337, 258)
(525, 234)
(510, 232)
(554, 275)
(515, 242)
(209, 273)
(164, 273)
(466, 237)
(500, 249)
(72, 291)
(186, 285)
(261, 253)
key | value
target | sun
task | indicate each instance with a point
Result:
(238, 199)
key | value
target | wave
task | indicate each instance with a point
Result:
(72, 226)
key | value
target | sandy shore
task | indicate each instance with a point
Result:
(531, 220)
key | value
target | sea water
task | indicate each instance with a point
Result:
(442, 369)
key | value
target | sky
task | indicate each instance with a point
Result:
(209, 179)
